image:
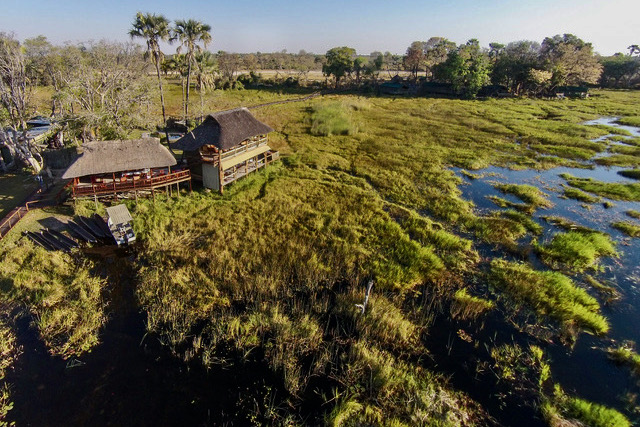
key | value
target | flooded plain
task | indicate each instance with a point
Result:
(584, 370)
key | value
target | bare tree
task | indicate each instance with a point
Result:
(14, 84)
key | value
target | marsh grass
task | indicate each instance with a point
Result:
(466, 306)
(623, 160)
(9, 351)
(630, 121)
(628, 228)
(625, 355)
(633, 214)
(567, 224)
(332, 119)
(527, 193)
(608, 291)
(61, 293)
(497, 229)
(611, 190)
(576, 250)
(576, 194)
(630, 173)
(548, 294)
(390, 380)
(270, 272)
(562, 409)
(524, 367)
(614, 130)
(529, 223)
(504, 203)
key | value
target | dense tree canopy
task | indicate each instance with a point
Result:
(571, 60)
(339, 62)
(467, 68)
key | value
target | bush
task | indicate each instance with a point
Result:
(332, 119)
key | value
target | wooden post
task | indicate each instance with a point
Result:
(153, 194)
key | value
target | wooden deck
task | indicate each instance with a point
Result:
(250, 165)
(130, 185)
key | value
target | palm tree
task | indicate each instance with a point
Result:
(153, 28)
(189, 33)
(205, 75)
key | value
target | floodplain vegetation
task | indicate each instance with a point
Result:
(274, 272)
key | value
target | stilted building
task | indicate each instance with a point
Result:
(113, 168)
(227, 146)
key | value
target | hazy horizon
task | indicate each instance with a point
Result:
(271, 26)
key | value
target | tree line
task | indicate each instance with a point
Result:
(522, 67)
(104, 89)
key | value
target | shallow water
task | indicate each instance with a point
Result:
(584, 370)
(131, 379)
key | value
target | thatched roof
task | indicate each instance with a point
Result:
(119, 156)
(225, 130)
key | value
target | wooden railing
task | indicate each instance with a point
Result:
(243, 148)
(251, 165)
(9, 222)
(130, 184)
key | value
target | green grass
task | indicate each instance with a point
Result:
(626, 355)
(606, 290)
(630, 121)
(628, 228)
(548, 294)
(623, 160)
(630, 173)
(562, 409)
(567, 224)
(332, 119)
(530, 224)
(59, 291)
(611, 190)
(614, 130)
(504, 203)
(14, 188)
(633, 214)
(9, 351)
(527, 193)
(575, 194)
(466, 306)
(577, 250)
(270, 272)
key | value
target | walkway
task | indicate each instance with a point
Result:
(37, 199)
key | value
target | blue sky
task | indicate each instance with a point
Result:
(267, 26)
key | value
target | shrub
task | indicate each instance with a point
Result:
(332, 119)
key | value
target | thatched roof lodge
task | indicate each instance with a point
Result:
(227, 146)
(109, 168)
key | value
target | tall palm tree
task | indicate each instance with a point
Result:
(189, 33)
(205, 76)
(153, 28)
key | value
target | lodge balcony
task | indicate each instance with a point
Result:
(245, 167)
(210, 156)
(127, 184)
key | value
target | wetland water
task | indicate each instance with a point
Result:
(130, 379)
(583, 370)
